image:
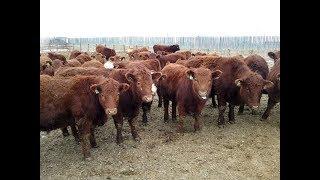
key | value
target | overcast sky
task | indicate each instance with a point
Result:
(105, 18)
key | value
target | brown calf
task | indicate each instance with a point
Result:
(80, 101)
(238, 84)
(274, 91)
(93, 63)
(107, 52)
(140, 91)
(54, 56)
(84, 57)
(170, 48)
(274, 55)
(131, 54)
(259, 65)
(74, 54)
(73, 63)
(186, 88)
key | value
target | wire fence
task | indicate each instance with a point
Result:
(224, 45)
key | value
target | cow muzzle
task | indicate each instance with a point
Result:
(147, 98)
(203, 95)
(254, 109)
(111, 112)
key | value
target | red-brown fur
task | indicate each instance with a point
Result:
(151, 64)
(47, 69)
(140, 80)
(237, 84)
(107, 52)
(56, 64)
(93, 63)
(84, 57)
(117, 58)
(74, 101)
(163, 52)
(189, 95)
(169, 48)
(73, 63)
(185, 54)
(274, 55)
(172, 58)
(199, 54)
(144, 55)
(54, 56)
(74, 54)
(274, 91)
(99, 57)
(257, 64)
(85, 71)
(131, 54)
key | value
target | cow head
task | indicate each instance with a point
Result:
(47, 69)
(251, 88)
(116, 58)
(108, 92)
(202, 80)
(141, 81)
(174, 47)
(274, 55)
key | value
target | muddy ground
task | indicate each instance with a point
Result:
(248, 149)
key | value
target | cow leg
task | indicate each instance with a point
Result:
(118, 122)
(196, 123)
(75, 133)
(145, 112)
(221, 108)
(84, 131)
(231, 113)
(214, 104)
(160, 98)
(93, 142)
(166, 109)
(65, 131)
(132, 123)
(182, 116)
(174, 111)
(271, 104)
(241, 108)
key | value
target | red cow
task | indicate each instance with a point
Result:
(107, 52)
(170, 48)
(186, 88)
(81, 101)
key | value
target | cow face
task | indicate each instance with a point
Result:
(141, 80)
(202, 80)
(116, 58)
(274, 55)
(108, 93)
(47, 69)
(251, 88)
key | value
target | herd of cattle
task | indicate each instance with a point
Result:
(85, 90)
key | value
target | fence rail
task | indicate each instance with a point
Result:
(187, 43)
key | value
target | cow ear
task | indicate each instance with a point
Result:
(191, 75)
(272, 55)
(278, 77)
(122, 58)
(130, 77)
(156, 76)
(95, 88)
(267, 84)
(238, 82)
(123, 87)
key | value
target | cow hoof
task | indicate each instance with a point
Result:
(65, 134)
(119, 140)
(240, 113)
(166, 121)
(221, 125)
(137, 139)
(174, 119)
(88, 158)
(144, 123)
(263, 118)
(232, 122)
(94, 146)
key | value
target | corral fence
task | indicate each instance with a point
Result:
(225, 45)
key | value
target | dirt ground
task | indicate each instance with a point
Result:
(248, 149)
